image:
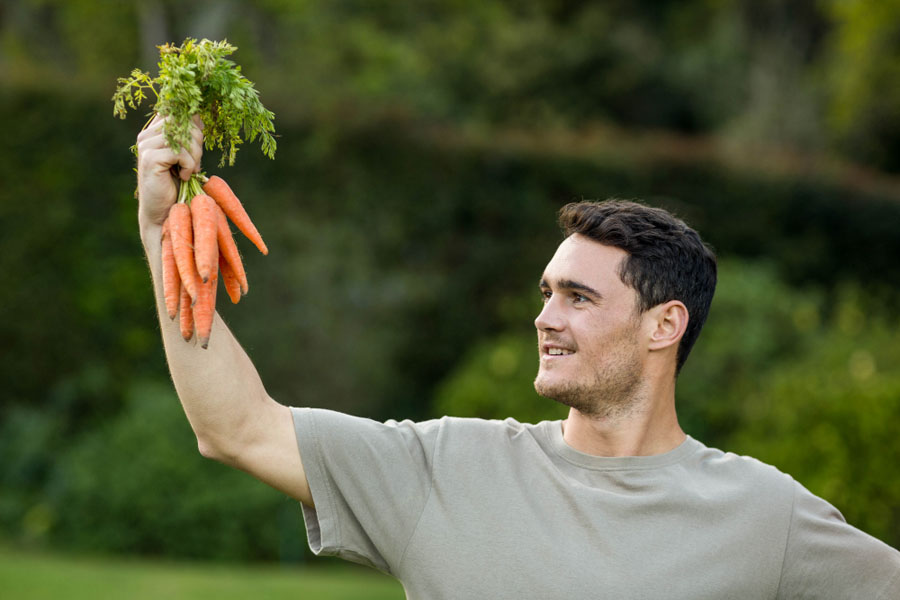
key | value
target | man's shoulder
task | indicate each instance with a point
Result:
(742, 471)
(489, 443)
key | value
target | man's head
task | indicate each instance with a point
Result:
(666, 260)
(627, 279)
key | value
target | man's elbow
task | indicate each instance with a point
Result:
(215, 451)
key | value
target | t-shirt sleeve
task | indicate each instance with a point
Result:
(369, 482)
(828, 558)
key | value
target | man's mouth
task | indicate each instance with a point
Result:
(558, 351)
(554, 350)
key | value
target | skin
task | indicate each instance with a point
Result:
(619, 375)
(236, 422)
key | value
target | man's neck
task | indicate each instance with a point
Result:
(650, 428)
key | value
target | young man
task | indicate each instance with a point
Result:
(613, 502)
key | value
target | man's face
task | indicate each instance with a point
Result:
(591, 357)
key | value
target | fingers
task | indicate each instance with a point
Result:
(154, 154)
(189, 165)
(151, 129)
(157, 190)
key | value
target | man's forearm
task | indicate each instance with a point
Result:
(218, 386)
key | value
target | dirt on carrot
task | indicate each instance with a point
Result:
(186, 316)
(205, 308)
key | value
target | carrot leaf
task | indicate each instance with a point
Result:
(197, 78)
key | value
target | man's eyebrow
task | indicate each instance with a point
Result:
(569, 284)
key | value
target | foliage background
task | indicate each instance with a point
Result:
(424, 150)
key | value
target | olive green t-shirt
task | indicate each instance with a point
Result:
(468, 508)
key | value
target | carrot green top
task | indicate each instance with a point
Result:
(196, 78)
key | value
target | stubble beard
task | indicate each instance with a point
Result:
(613, 391)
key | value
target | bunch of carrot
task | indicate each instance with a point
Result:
(197, 79)
(197, 245)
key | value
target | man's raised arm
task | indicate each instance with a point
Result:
(234, 419)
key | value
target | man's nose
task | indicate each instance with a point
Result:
(550, 318)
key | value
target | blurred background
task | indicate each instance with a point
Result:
(424, 149)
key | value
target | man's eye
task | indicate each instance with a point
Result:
(579, 298)
(545, 295)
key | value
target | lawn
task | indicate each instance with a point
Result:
(38, 576)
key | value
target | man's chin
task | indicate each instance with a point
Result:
(541, 387)
(592, 401)
(551, 391)
(567, 393)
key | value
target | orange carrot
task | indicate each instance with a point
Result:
(220, 191)
(229, 280)
(228, 249)
(204, 217)
(171, 281)
(186, 319)
(183, 246)
(205, 308)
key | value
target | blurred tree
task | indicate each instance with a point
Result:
(863, 74)
(755, 321)
(133, 486)
(30, 442)
(75, 287)
(806, 74)
(828, 416)
(494, 381)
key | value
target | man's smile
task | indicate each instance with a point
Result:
(553, 350)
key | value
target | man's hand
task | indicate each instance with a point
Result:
(156, 187)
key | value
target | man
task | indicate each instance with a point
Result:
(613, 502)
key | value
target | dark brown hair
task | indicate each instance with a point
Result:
(667, 260)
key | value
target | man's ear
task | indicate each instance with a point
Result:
(667, 323)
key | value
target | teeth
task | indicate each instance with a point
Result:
(558, 352)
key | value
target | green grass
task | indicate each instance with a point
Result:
(38, 576)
